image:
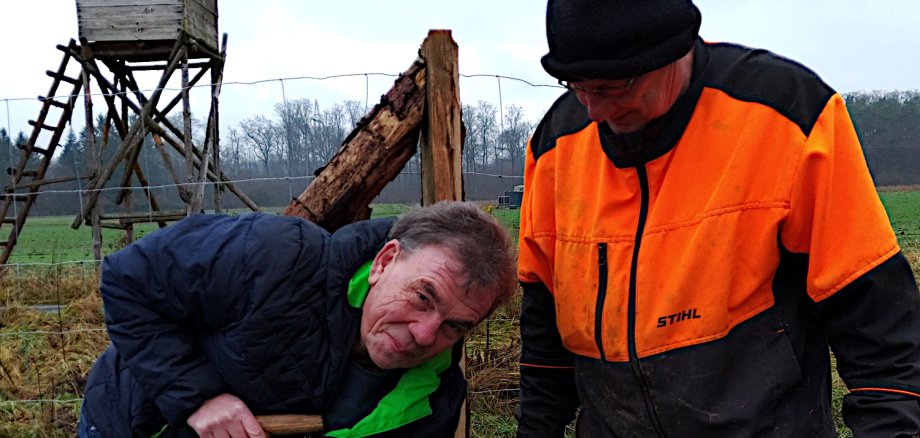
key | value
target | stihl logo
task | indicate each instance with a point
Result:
(677, 317)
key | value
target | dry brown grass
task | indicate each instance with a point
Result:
(42, 284)
(44, 360)
(492, 365)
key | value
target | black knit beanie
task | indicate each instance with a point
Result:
(617, 39)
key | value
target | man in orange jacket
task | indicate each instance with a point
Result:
(698, 230)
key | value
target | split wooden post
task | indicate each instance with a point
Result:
(371, 156)
(442, 143)
(425, 98)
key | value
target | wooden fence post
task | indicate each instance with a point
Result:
(441, 144)
(382, 143)
(441, 141)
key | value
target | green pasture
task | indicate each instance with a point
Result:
(904, 212)
(50, 239)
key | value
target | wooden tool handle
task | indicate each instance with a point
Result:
(290, 424)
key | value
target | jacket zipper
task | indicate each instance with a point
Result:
(631, 312)
(601, 297)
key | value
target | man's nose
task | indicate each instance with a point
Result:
(598, 107)
(425, 330)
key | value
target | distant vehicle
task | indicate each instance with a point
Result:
(511, 199)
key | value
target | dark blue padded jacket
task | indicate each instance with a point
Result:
(252, 305)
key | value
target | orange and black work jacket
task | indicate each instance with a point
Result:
(688, 280)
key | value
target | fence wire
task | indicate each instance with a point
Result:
(51, 322)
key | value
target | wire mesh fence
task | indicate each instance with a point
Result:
(51, 319)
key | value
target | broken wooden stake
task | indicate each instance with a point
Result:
(370, 157)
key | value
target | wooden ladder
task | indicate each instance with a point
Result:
(28, 176)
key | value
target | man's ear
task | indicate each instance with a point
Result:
(386, 256)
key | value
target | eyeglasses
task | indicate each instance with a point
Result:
(616, 90)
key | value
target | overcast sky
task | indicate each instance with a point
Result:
(854, 45)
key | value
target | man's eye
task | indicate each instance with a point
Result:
(455, 328)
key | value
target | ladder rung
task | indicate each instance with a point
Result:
(12, 171)
(113, 226)
(16, 196)
(42, 182)
(9, 220)
(4, 242)
(151, 216)
(62, 77)
(33, 149)
(52, 102)
(43, 126)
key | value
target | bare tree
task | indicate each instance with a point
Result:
(514, 136)
(470, 142)
(487, 132)
(331, 128)
(355, 111)
(263, 136)
(232, 147)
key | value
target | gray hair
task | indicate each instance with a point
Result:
(482, 247)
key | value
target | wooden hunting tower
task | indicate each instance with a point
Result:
(117, 39)
(145, 30)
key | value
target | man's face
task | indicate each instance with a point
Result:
(417, 307)
(650, 96)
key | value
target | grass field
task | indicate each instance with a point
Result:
(44, 357)
(904, 212)
(50, 239)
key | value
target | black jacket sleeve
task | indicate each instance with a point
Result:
(873, 325)
(167, 293)
(548, 399)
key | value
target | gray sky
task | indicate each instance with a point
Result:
(854, 45)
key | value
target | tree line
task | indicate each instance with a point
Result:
(273, 156)
(888, 125)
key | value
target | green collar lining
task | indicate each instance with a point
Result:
(408, 401)
(358, 286)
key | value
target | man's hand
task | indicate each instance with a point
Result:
(225, 416)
